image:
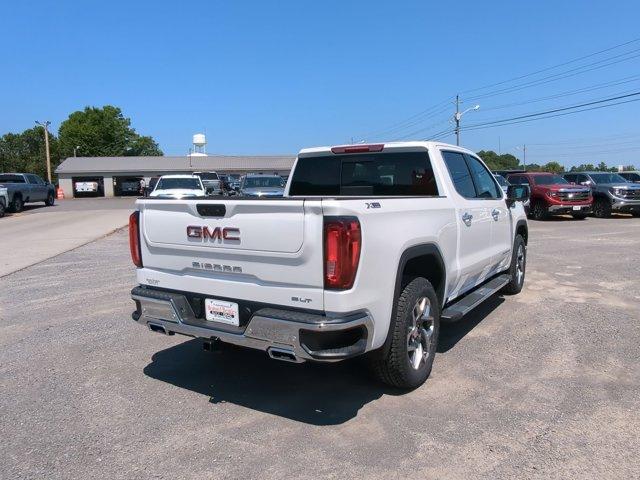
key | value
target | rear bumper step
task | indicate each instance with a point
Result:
(284, 334)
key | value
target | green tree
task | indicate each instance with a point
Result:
(25, 152)
(603, 167)
(584, 167)
(103, 132)
(534, 167)
(629, 168)
(499, 162)
(144, 146)
(553, 167)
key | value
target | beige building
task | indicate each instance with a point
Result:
(118, 176)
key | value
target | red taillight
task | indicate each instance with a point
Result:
(358, 148)
(134, 238)
(342, 244)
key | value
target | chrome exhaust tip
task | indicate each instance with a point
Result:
(283, 354)
(156, 327)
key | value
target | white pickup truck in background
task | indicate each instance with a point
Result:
(370, 249)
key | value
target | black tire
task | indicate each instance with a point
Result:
(17, 205)
(538, 211)
(635, 214)
(392, 364)
(579, 216)
(518, 264)
(51, 199)
(3, 209)
(602, 208)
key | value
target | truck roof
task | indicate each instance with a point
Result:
(178, 176)
(409, 144)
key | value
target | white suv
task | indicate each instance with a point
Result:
(178, 186)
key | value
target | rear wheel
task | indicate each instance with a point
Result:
(2, 209)
(407, 360)
(50, 200)
(635, 214)
(539, 211)
(17, 205)
(602, 208)
(518, 267)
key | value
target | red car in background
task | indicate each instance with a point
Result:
(551, 194)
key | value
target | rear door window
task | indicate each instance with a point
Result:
(486, 185)
(375, 174)
(460, 174)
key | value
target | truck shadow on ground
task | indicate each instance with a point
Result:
(452, 333)
(317, 394)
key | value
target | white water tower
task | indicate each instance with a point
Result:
(199, 145)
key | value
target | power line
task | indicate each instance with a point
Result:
(410, 121)
(598, 99)
(587, 146)
(435, 110)
(415, 132)
(556, 115)
(579, 141)
(521, 117)
(554, 66)
(399, 129)
(559, 76)
(568, 93)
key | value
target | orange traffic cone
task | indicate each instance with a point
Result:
(60, 193)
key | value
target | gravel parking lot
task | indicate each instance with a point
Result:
(539, 385)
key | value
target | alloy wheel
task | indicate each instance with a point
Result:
(520, 264)
(420, 335)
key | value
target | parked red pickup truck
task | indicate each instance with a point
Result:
(551, 194)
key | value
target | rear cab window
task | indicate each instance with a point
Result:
(386, 173)
(10, 178)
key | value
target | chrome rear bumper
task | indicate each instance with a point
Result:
(268, 328)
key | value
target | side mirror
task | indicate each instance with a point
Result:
(517, 193)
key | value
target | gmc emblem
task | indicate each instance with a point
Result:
(218, 233)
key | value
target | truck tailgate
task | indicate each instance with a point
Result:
(235, 248)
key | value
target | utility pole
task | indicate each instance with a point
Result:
(457, 117)
(524, 155)
(45, 125)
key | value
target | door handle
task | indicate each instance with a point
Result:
(466, 218)
(495, 214)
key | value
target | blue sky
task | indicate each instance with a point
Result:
(273, 77)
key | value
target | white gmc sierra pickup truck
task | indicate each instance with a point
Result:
(370, 249)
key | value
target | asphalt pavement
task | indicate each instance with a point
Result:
(541, 385)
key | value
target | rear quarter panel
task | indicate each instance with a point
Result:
(388, 231)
